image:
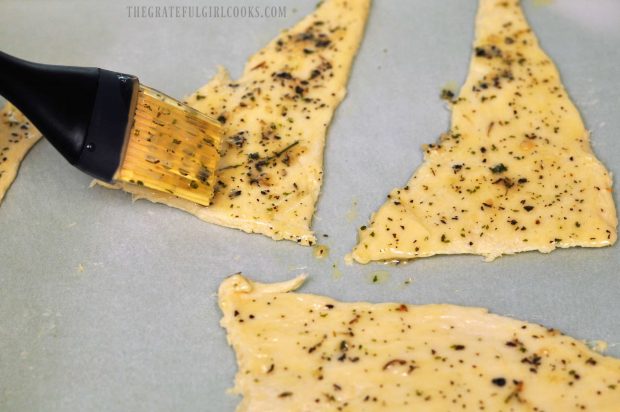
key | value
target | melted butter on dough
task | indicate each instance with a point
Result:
(299, 352)
(515, 173)
(275, 119)
(17, 136)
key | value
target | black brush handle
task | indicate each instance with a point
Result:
(83, 111)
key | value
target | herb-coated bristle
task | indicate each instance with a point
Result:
(172, 148)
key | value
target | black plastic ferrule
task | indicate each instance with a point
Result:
(104, 145)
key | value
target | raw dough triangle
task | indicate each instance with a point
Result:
(275, 119)
(299, 352)
(515, 172)
(17, 136)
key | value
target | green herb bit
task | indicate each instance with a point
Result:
(498, 168)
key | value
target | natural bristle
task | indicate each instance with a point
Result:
(172, 148)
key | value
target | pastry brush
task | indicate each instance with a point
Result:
(112, 127)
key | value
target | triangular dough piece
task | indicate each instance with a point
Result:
(17, 136)
(300, 352)
(515, 173)
(275, 119)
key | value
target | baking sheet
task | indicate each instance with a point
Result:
(109, 305)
